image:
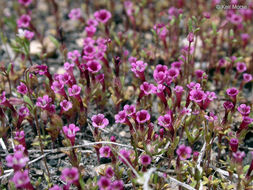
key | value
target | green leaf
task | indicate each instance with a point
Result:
(55, 41)
(9, 68)
(190, 25)
(28, 101)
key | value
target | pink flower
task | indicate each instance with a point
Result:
(90, 30)
(145, 160)
(190, 37)
(238, 156)
(109, 172)
(178, 91)
(75, 14)
(228, 105)
(43, 102)
(92, 22)
(199, 74)
(105, 152)
(129, 110)
(74, 55)
(147, 88)
(174, 12)
(160, 77)
(25, 2)
(24, 21)
(2, 98)
(241, 67)
(55, 187)
(22, 89)
(197, 96)
(58, 87)
(21, 179)
(66, 105)
(94, 66)
(74, 90)
(117, 185)
(173, 73)
(65, 78)
(126, 154)
(177, 64)
(99, 121)
(236, 19)
(70, 175)
(70, 132)
(244, 109)
(23, 111)
(138, 68)
(247, 77)
(165, 121)
(19, 148)
(41, 69)
(68, 66)
(17, 161)
(184, 152)
(104, 183)
(102, 16)
(29, 35)
(233, 144)
(194, 86)
(142, 116)
(211, 117)
(121, 117)
(19, 136)
(232, 92)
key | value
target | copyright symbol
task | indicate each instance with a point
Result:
(218, 7)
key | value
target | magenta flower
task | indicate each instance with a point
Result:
(241, 67)
(238, 156)
(117, 185)
(92, 22)
(199, 74)
(247, 77)
(2, 98)
(19, 136)
(74, 55)
(233, 144)
(104, 183)
(70, 132)
(23, 111)
(228, 105)
(58, 87)
(66, 105)
(138, 68)
(109, 172)
(194, 86)
(147, 88)
(29, 35)
(41, 69)
(173, 73)
(177, 65)
(211, 117)
(126, 154)
(25, 2)
(69, 66)
(165, 121)
(55, 187)
(121, 117)
(160, 77)
(142, 116)
(145, 160)
(94, 66)
(19, 148)
(17, 161)
(21, 179)
(24, 21)
(65, 78)
(236, 19)
(232, 92)
(129, 110)
(74, 90)
(184, 152)
(70, 175)
(75, 14)
(102, 16)
(43, 102)
(244, 109)
(90, 30)
(197, 96)
(190, 37)
(105, 152)
(99, 121)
